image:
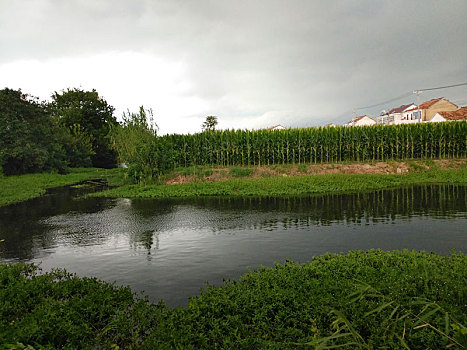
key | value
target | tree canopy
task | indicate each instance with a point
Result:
(28, 136)
(210, 123)
(92, 116)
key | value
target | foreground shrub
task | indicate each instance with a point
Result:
(366, 300)
(61, 310)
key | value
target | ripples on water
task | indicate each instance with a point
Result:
(169, 248)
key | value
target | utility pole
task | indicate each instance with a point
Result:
(418, 92)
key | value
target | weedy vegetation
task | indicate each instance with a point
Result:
(289, 186)
(360, 300)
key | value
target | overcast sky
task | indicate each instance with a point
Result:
(252, 63)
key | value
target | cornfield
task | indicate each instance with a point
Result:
(318, 145)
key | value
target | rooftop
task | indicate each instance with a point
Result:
(460, 114)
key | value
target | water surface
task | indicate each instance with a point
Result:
(170, 248)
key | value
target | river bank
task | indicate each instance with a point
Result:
(14, 189)
(265, 181)
(325, 179)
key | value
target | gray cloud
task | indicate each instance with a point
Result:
(303, 61)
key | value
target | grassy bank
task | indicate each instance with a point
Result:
(365, 300)
(15, 189)
(291, 186)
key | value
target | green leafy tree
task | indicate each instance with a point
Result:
(87, 116)
(210, 123)
(28, 135)
(77, 145)
(139, 147)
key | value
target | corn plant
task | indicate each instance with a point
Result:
(319, 145)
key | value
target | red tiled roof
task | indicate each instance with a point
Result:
(428, 104)
(460, 114)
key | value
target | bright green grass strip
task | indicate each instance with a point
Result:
(15, 189)
(289, 186)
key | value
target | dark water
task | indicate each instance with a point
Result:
(170, 248)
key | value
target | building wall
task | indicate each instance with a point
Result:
(437, 118)
(440, 106)
(365, 121)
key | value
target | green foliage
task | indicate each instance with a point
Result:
(138, 146)
(302, 168)
(366, 300)
(28, 136)
(77, 145)
(89, 117)
(240, 172)
(59, 310)
(320, 145)
(324, 304)
(210, 123)
(23, 187)
(289, 186)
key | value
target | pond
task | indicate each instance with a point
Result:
(169, 249)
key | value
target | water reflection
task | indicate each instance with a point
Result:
(30, 229)
(169, 248)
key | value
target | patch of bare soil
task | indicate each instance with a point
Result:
(391, 167)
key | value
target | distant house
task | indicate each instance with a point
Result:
(361, 121)
(428, 109)
(395, 115)
(276, 127)
(460, 114)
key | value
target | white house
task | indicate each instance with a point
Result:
(361, 121)
(276, 127)
(395, 115)
(412, 115)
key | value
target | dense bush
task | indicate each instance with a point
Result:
(138, 146)
(73, 131)
(59, 310)
(28, 135)
(368, 300)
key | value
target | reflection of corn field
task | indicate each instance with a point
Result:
(320, 145)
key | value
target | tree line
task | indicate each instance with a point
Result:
(78, 129)
(73, 130)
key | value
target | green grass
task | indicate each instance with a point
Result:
(15, 189)
(240, 172)
(290, 186)
(363, 300)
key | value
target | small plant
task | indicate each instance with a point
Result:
(302, 168)
(431, 164)
(415, 166)
(240, 172)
